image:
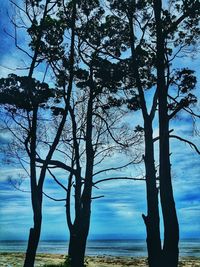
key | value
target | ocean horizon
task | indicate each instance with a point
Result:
(102, 247)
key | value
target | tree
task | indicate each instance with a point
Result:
(14, 90)
(98, 80)
(90, 130)
(140, 77)
(89, 142)
(122, 56)
(145, 23)
(186, 82)
(23, 110)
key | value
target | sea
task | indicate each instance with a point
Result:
(128, 248)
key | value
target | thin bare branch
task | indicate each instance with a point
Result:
(117, 168)
(119, 178)
(17, 187)
(56, 180)
(97, 197)
(186, 141)
(52, 198)
(108, 129)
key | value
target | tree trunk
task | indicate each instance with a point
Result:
(33, 240)
(152, 220)
(80, 229)
(171, 227)
(78, 238)
(77, 247)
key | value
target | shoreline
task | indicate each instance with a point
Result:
(15, 259)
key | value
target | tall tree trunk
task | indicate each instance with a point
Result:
(78, 240)
(34, 234)
(80, 229)
(171, 227)
(152, 220)
(34, 237)
(77, 250)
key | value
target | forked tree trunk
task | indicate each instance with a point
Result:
(171, 227)
(78, 237)
(80, 229)
(152, 220)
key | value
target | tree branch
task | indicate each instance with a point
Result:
(184, 108)
(58, 164)
(182, 17)
(119, 178)
(186, 141)
(117, 168)
(52, 198)
(97, 197)
(108, 129)
(56, 180)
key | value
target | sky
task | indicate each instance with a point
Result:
(119, 213)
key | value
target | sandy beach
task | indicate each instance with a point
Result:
(16, 260)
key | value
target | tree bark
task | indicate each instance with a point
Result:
(34, 234)
(171, 227)
(34, 237)
(80, 228)
(152, 220)
(78, 240)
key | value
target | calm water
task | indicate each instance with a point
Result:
(131, 248)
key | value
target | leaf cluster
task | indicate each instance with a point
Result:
(24, 92)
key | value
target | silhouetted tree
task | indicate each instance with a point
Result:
(167, 27)
(88, 141)
(124, 56)
(144, 24)
(28, 94)
(91, 122)
(23, 109)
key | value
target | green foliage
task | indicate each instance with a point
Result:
(50, 43)
(87, 6)
(107, 74)
(134, 103)
(24, 92)
(185, 80)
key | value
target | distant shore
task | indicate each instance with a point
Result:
(9, 259)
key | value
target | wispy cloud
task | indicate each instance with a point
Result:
(124, 201)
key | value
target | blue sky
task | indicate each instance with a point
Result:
(118, 214)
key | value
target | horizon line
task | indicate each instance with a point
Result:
(93, 239)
